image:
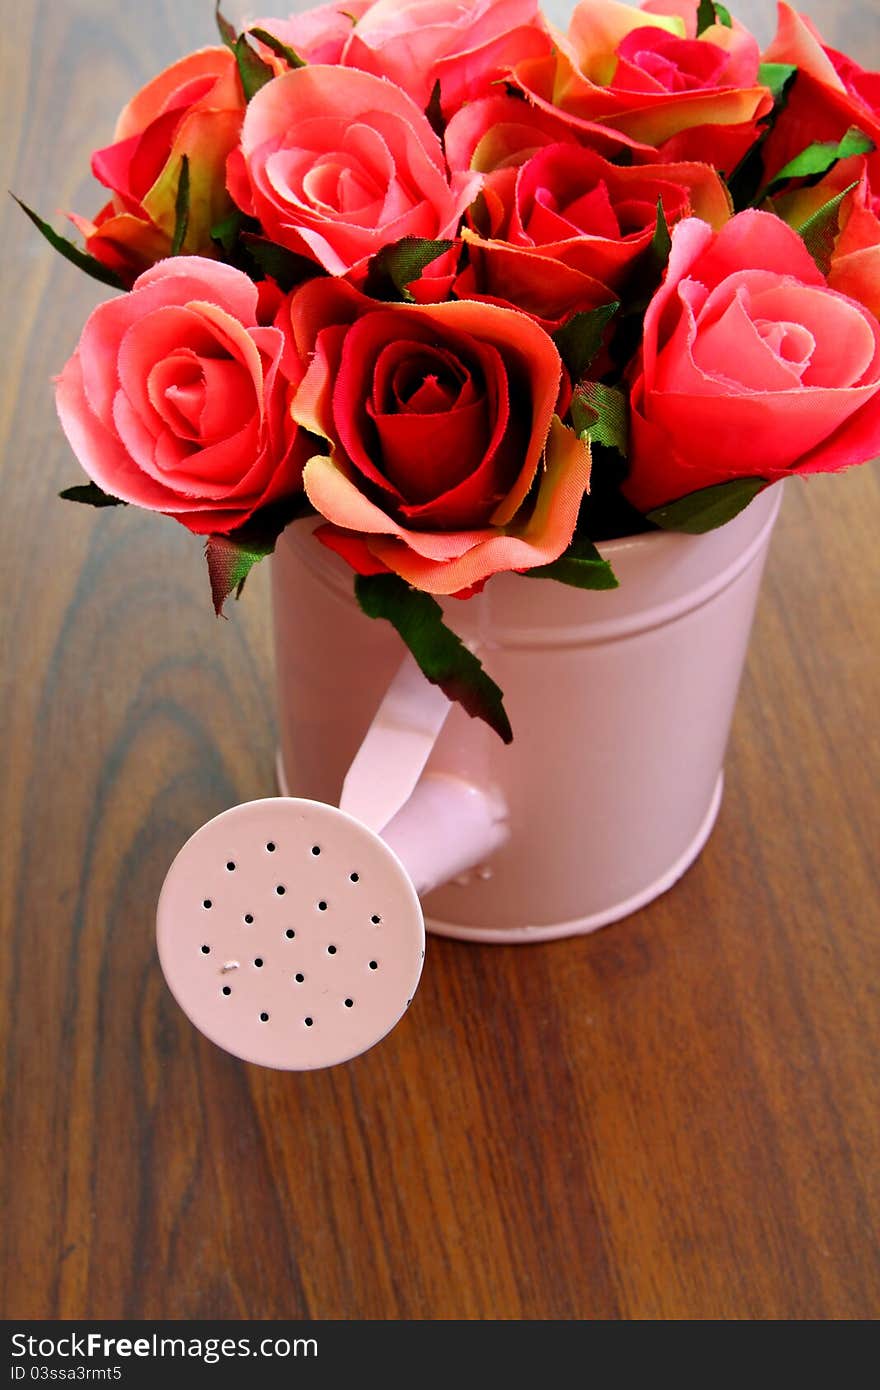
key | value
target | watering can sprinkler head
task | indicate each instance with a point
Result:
(290, 931)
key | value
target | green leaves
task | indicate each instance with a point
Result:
(181, 207)
(819, 232)
(70, 251)
(581, 566)
(711, 12)
(281, 50)
(231, 558)
(441, 655)
(661, 242)
(579, 340)
(254, 73)
(226, 232)
(91, 495)
(643, 282)
(226, 30)
(776, 76)
(707, 508)
(599, 412)
(818, 158)
(287, 268)
(396, 266)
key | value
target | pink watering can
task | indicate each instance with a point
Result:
(291, 930)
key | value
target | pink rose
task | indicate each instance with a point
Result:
(751, 367)
(317, 35)
(175, 398)
(564, 231)
(336, 164)
(462, 44)
(193, 108)
(444, 461)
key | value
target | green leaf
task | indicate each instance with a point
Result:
(709, 507)
(281, 50)
(600, 413)
(661, 242)
(396, 266)
(254, 73)
(776, 76)
(580, 339)
(232, 557)
(226, 232)
(819, 232)
(70, 251)
(181, 207)
(286, 267)
(227, 31)
(711, 12)
(91, 495)
(747, 177)
(581, 566)
(818, 158)
(440, 654)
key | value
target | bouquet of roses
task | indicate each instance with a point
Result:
(477, 293)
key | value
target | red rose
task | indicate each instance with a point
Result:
(175, 398)
(830, 93)
(193, 108)
(337, 163)
(644, 77)
(444, 462)
(562, 232)
(751, 366)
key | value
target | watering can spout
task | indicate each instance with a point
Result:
(290, 931)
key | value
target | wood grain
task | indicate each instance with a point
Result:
(676, 1118)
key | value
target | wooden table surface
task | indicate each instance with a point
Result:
(677, 1117)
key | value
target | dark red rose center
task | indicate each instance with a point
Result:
(429, 409)
(429, 419)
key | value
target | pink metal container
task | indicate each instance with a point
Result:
(620, 702)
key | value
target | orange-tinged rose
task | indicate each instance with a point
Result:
(193, 108)
(644, 78)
